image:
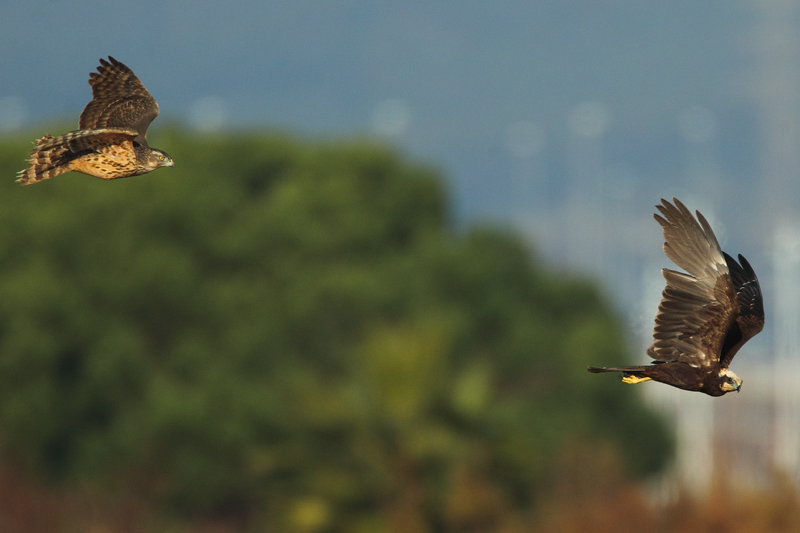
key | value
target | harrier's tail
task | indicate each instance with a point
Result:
(49, 158)
(630, 374)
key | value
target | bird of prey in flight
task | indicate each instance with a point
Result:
(705, 315)
(111, 141)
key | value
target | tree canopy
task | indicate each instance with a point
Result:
(294, 332)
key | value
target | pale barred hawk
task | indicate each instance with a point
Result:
(112, 139)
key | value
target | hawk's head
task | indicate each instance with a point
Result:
(728, 381)
(158, 158)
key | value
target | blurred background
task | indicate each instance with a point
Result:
(395, 236)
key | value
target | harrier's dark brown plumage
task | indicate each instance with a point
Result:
(704, 316)
(112, 139)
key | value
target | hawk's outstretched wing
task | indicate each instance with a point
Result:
(87, 140)
(697, 309)
(119, 100)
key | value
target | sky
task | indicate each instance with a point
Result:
(458, 77)
(525, 107)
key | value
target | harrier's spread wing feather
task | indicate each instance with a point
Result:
(690, 244)
(748, 290)
(749, 298)
(119, 100)
(698, 308)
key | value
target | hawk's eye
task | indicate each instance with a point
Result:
(161, 158)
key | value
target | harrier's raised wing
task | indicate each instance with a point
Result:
(697, 309)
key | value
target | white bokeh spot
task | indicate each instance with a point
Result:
(590, 119)
(208, 114)
(13, 112)
(391, 117)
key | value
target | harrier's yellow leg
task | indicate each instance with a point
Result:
(633, 380)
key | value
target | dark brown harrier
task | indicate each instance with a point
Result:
(704, 316)
(112, 139)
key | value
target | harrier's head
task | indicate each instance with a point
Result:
(728, 381)
(158, 158)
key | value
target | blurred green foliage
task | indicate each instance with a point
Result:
(295, 332)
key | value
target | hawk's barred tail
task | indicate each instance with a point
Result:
(52, 155)
(48, 159)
